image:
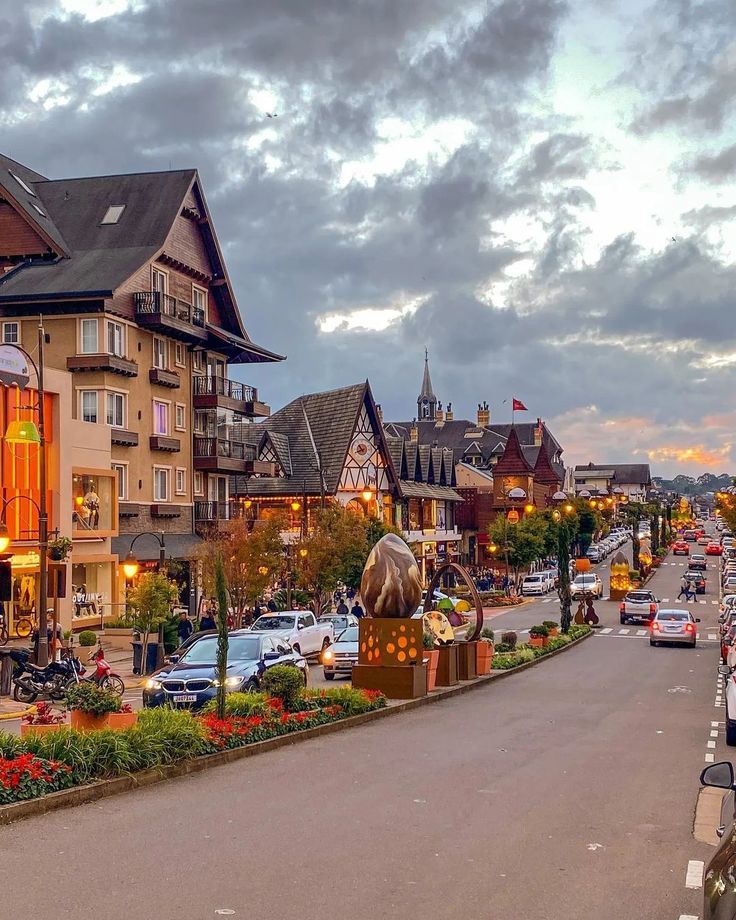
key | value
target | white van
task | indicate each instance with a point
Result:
(534, 584)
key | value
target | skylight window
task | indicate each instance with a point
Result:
(113, 213)
(42, 213)
(22, 184)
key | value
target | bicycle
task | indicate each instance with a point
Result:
(24, 626)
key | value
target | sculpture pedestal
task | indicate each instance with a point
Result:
(390, 658)
(397, 683)
(467, 654)
(447, 666)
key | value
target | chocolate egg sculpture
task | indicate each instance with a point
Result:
(391, 585)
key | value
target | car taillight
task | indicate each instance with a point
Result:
(652, 608)
(689, 627)
(622, 608)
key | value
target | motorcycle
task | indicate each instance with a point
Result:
(31, 681)
(103, 675)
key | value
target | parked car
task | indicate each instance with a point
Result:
(301, 630)
(697, 580)
(680, 548)
(676, 626)
(713, 549)
(534, 584)
(698, 562)
(729, 584)
(191, 681)
(595, 553)
(340, 657)
(638, 606)
(340, 621)
(719, 893)
(729, 681)
(587, 583)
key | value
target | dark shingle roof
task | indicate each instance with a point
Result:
(513, 460)
(9, 168)
(638, 473)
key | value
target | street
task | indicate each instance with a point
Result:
(564, 792)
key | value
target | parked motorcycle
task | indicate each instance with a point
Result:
(31, 681)
(103, 675)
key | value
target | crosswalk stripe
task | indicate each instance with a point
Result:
(697, 635)
(624, 632)
(702, 602)
(665, 600)
(604, 632)
(641, 632)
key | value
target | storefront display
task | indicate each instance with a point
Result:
(94, 503)
(92, 590)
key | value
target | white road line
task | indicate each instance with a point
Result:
(665, 600)
(624, 632)
(641, 632)
(709, 758)
(697, 635)
(702, 602)
(714, 732)
(712, 636)
(688, 917)
(606, 631)
(714, 724)
(694, 875)
(710, 744)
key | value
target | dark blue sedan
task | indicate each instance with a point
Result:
(191, 680)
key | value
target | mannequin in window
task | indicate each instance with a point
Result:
(92, 504)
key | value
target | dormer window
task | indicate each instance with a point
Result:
(113, 214)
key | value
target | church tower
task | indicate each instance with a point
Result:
(427, 401)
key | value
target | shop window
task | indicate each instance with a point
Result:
(181, 417)
(180, 355)
(88, 405)
(121, 470)
(160, 417)
(181, 481)
(159, 353)
(92, 586)
(161, 489)
(11, 333)
(415, 515)
(116, 339)
(89, 336)
(94, 498)
(115, 409)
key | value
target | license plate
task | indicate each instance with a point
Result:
(185, 698)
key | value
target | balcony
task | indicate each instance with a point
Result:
(161, 442)
(217, 455)
(111, 363)
(123, 438)
(221, 393)
(164, 378)
(162, 313)
(211, 512)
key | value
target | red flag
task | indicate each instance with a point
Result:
(518, 406)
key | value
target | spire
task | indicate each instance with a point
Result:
(427, 381)
(427, 401)
(512, 460)
(544, 472)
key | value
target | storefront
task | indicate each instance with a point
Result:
(94, 593)
(94, 503)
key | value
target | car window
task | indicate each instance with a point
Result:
(640, 596)
(306, 619)
(673, 615)
(348, 635)
(274, 622)
(241, 648)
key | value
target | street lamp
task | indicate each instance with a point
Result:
(4, 537)
(130, 567)
(130, 570)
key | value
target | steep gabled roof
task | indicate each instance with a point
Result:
(543, 469)
(512, 461)
(28, 204)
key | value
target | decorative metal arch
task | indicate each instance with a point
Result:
(465, 575)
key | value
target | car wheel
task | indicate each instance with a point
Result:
(330, 676)
(624, 621)
(252, 686)
(652, 642)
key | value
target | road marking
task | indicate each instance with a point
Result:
(694, 876)
(712, 636)
(710, 744)
(688, 917)
(665, 600)
(624, 632)
(697, 635)
(702, 602)
(714, 724)
(641, 632)
(606, 631)
(714, 732)
(709, 758)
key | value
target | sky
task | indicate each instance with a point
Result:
(540, 192)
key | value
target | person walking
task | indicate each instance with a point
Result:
(207, 622)
(684, 588)
(184, 627)
(357, 610)
(342, 608)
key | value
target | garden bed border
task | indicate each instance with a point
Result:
(92, 792)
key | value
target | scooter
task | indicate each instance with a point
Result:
(31, 681)
(103, 676)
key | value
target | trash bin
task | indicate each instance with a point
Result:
(151, 657)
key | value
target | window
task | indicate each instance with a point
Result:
(199, 300)
(113, 214)
(116, 339)
(160, 417)
(88, 403)
(93, 502)
(115, 407)
(89, 336)
(198, 483)
(122, 471)
(11, 333)
(200, 421)
(181, 481)
(181, 355)
(160, 484)
(160, 281)
(198, 360)
(22, 184)
(180, 422)
(159, 353)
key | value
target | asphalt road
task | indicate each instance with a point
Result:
(566, 792)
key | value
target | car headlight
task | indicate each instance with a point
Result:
(153, 684)
(328, 655)
(231, 683)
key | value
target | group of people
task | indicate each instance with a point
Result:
(687, 588)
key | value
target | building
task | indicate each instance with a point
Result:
(634, 479)
(140, 315)
(332, 446)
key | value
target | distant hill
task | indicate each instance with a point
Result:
(689, 485)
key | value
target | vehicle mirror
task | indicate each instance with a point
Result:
(724, 670)
(697, 619)
(300, 626)
(271, 656)
(719, 775)
(172, 659)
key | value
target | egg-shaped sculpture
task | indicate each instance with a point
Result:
(391, 585)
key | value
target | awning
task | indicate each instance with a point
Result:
(424, 490)
(178, 546)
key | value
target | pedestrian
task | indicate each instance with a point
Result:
(342, 608)
(684, 588)
(184, 627)
(357, 610)
(272, 605)
(207, 621)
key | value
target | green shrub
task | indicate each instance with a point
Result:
(539, 631)
(550, 624)
(509, 638)
(487, 633)
(95, 701)
(239, 704)
(285, 683)
(119, 623)
(87, 638)
(577, 631)
(428, 641)
(352, 701)
(513, 660)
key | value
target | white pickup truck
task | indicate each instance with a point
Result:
(305, 634)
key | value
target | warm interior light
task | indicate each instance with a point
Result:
(367, 495)
(4, 537)
(295, 506)
(79, 500)
(528, 509)
(262, 570)
(22, 432)
(569, 509)
(493, 547)
(303, 553)
(130, 566)
(248, 502)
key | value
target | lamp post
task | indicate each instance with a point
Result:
(130, 570)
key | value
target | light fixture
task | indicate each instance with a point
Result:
(4, 537)
(248, 503)
(556, 515)
(22, 432)
(513, 516)
(295, 505)
(528, 509)
(367, 494)
(303, 553)
(79, 500)
(493, 547)
(593, 503)
(569, 508)
(262, 570)
(130, 566)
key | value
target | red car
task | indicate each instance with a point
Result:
(680, 548)
(714, 549)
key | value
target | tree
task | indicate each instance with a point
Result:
(250, 555)
(564, 539)
(374, 530)
(151, 601)
(519, 544)
(222, 637)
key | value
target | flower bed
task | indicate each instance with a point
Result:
(524, 653)
(162, 736)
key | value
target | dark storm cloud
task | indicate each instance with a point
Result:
(718, 167)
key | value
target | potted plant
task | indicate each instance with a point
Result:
(87, 641)
(553, 629)
(43, 720)
(59, 549)
(126, 718)
(431, 660)
(484, 652)
(538, 636)
(91, 705)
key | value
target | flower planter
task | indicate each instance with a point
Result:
(122, 720)
(467, 655)
(538, 641)
(118, 638)
(447, 666)
(26, 729)
(484, 657)
(84, 721)
(431, 660)
(554, 633)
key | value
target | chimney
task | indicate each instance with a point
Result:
(538, 433)
(414, 431)
(448, 415)
(484, 415)
(439, 414)
(379, 412)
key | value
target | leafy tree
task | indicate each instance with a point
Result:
(374, 530)
(222, 637)
(151, 600)
(519, 544)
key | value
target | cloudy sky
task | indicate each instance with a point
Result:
(539, 191)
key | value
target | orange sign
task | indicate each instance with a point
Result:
(513, 516)
(582, 565)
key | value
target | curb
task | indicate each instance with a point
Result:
(104, 788)
(8, 716)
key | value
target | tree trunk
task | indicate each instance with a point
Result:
(222, 635)
(563, 575)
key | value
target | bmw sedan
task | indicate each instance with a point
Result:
(191, 680)
(677, 626)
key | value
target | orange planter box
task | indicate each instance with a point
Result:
(122, 720)
(484, 657)
(26, 729)
(85, 722)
